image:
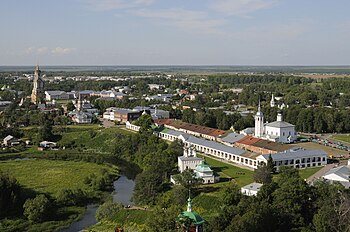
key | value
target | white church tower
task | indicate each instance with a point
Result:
(259, 123)
(272, 102)
(279, 117)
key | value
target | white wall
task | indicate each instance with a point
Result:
(282, 133)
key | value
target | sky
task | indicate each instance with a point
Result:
(175, 32)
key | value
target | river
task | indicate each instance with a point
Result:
(123, 190)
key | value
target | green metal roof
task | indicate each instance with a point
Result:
(203, 167)
(197, 220)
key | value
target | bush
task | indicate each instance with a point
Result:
(108, 210)
(10, 194)
(36, 209)
(101, 182)
(69, 197)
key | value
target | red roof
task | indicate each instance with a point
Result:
(248, 140)
(190, 127)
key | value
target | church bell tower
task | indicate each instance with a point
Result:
(38, 87)
(259, 123)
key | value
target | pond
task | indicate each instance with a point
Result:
(123, 191)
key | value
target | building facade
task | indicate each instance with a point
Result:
(278, 131)
(296, 158)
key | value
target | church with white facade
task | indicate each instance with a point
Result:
(277, 131)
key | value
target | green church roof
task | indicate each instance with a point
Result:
(203, 167)
(194, 217)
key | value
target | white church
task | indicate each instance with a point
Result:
(190, 161)
(278, 131)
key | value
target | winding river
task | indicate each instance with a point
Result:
(123, 190)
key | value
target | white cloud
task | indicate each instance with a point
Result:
(241, 8)
(62, 51)
(42, 50)
(106, 5)
(29, 50)
(189, 20)
(35, 50)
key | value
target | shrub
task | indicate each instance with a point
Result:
(71, 197)
(36, 209)
(10, 194)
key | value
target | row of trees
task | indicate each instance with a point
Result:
(319, 120)
(217, 119)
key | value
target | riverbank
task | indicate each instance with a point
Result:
(55, 179)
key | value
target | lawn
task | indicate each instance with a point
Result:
(47, 176)
(226, 170)
(343, 138)
(307, 172)
(125, 218)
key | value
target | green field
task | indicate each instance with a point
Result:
(126, 218)
(91, 138)
(226, 170)
(343, 138)
(46, 176)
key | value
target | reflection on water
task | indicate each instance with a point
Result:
(123, 190)
(88, 220)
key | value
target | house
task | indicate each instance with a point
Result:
(47, 144)
(85, 94)
(4, 105)
(339, 175)
(155, 113)
(160, 97)
(251, 189)
(10, 141)
(159, 114)
(81, 117)
(56, 95)
(109, 95)
(155, 87)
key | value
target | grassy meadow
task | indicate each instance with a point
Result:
(342, 138)
(48, 176)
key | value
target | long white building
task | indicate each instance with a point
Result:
(297, 158)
